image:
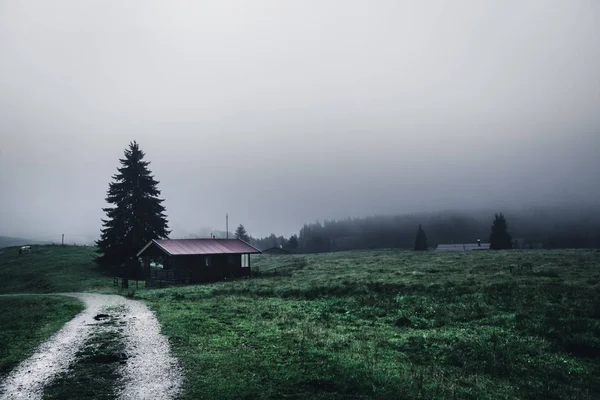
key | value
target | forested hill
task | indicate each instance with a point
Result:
(551, 227)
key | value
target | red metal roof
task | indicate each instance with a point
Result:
(181, 247)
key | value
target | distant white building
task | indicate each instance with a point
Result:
(463, 247)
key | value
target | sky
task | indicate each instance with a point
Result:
(286, 112)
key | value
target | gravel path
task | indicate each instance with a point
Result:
(150, 372)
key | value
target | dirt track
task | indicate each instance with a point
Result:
(150, 371)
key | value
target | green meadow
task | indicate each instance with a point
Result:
(392, 324)
(365, 324)
(27, 321)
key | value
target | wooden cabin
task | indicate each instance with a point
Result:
(463, 247)
(187, 261)
(276, 250)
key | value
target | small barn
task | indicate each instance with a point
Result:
(276, 250)
(187, 261)
(463, 247)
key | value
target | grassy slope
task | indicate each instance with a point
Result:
(27, 321)
(7, 241)
(387, 324)
(50, 269)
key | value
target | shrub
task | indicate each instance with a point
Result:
(403, 322)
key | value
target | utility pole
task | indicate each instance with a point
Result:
(226, 226)
(63, 240)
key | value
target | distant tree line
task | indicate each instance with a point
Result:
(290, 244)
(549, 228)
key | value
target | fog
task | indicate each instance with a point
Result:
(285, 112)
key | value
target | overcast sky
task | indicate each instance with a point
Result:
(285, 112)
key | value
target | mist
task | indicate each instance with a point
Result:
(282, 113)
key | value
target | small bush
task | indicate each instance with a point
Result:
(582, 345)
(403, 322)
(546, 274)
(433, 271)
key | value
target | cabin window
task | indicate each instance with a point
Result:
(161, 262)
(245, 260)
(207, 260)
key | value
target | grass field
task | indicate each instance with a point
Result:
(371, 324)
(387, 324)
(49, 269)
(27, 321)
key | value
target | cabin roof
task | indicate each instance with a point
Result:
(188, 247)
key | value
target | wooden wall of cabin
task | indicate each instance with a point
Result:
(195, 269)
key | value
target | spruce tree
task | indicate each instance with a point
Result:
(241, 233)
(292, 243)
(500, 238)
(421, 240)
(135, 217)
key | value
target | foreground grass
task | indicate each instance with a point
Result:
(50, 269)
(27, 321)
(378, 324)
(387, 324)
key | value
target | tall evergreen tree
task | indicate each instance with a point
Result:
(500, 238)
(241, 233)
(421, 240)
(292, 243)
(272, 240)
(135, 217)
